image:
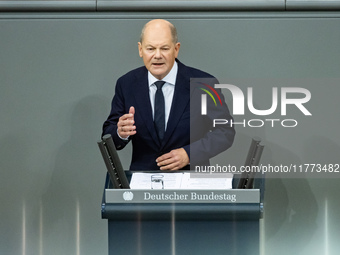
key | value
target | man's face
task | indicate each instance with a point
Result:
(158, 50)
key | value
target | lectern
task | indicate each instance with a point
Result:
(182, 222)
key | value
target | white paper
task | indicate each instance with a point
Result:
(182, 181)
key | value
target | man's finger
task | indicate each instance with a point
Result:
(164, 157)
(126, 122)
(171, 167)
(124, 117)
(132, 110)
(166, 162)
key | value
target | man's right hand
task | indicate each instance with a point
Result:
(126, 124)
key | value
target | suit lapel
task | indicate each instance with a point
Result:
(143, 105)
(179, 102)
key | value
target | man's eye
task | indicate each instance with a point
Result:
(149, 49)
(165, 49)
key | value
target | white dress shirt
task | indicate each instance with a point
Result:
(168, 90)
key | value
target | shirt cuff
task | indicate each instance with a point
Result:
(124, 139)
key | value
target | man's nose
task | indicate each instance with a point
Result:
(158, 53)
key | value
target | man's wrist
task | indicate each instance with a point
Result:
(124, 139)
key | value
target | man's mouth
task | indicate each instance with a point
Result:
(157, 64)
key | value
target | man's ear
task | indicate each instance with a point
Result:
(177, 46)
(140, 49)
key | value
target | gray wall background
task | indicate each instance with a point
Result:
(58, 73)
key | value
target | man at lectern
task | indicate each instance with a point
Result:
(151, 107)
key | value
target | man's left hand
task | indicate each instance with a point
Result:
(174, 160)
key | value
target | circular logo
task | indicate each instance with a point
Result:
(128, 195)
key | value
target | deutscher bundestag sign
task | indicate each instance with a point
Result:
(181, 196)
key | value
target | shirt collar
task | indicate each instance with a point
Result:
(170, 78)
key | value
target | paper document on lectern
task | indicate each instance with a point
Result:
(181, 181)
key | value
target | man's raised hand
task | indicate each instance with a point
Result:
(126, 124)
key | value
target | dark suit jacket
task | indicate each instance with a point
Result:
(132, 89)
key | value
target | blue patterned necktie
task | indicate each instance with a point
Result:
(159, 114)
